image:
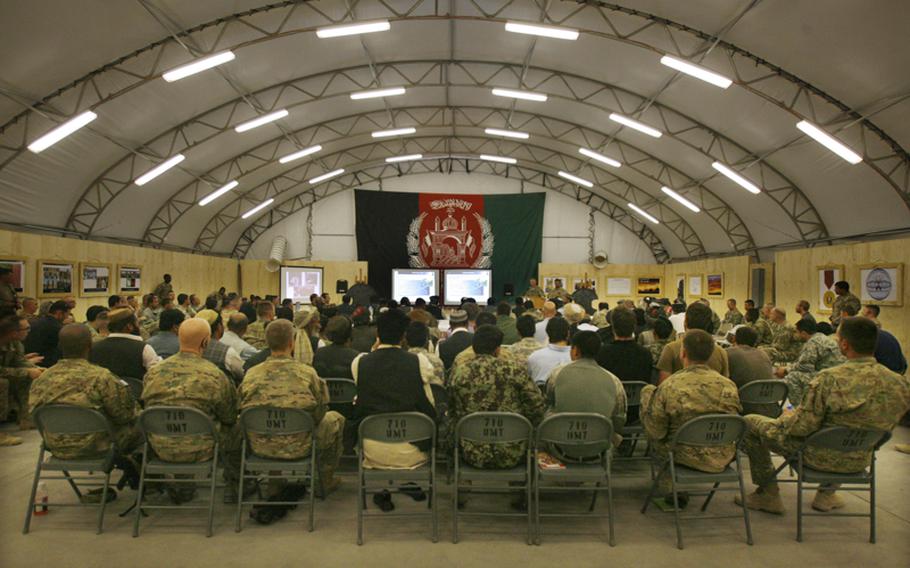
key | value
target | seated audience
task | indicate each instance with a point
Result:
(17, 371)
(549, 312)
(785, 345)
(334, 360)
(679, 317)
(760, 325)
(747, 363)
(233, 337)
(802, 309)
(417, 338)
(363, 336)
(255, 332)
(124, 352)
(698, 317)
(819, 352)
(96, 319)
(625, 358)
(506, 323)
(223, 356)
(733, 316)
(459, 338)
(887, 349)
(45, 332)
(860, 393)
(165, 342)
(556, 353)
(663, 334)
(519, 352)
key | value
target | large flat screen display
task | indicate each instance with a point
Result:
(413, 284)
(477, 284)
(298, 282)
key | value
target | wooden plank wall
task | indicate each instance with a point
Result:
(255, 279)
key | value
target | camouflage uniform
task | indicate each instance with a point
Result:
(468, 355)
(282, 382)
(733, 317)
(439, 368)
(77, 382)
(560, 293)
(848, 299)
(186, 379)
(163, 290)
(657, 347)
(692, 392)
(600, 319)
(819, 352)
(784, 346)
(487, 384)
(860, 393)
(255, 335)
(9, 300)
(535, 292)
(763, 328)
(715, 322)
(14, 379)
(522, 350)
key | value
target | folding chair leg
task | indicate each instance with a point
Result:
(594, 497)
(679, 538)
(107, 482)
(644, 508)
(31, 500)
(434, 504)
(704, 506)
(799, 504)
(536, 503)
(139, 493)
(742, 495)
(455, 510)
(72, 483)
(313, 469)
(361, 503)
(238, 522)
(610, 510)
(872, 502)
(212, 492)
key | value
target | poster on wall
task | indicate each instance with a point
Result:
(679, 290)
(649, 286)
(619, 286)
(715, 284)
(549, 283)
(827, 276)
(95, 278)
(55, 278)
(695, 286)
(129, 277)
(17, 265)
(881, 284)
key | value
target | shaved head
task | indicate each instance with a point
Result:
(549, 309)
(75, 341)
(193, 332)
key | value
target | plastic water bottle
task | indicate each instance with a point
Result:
(41, 499)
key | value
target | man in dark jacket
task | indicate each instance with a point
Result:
(334, 361)
(44, 335)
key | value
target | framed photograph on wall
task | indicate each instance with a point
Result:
(882, 284)
(619, 286)
(17, 265)
(56, 278)
(649, 286)
(715, 284)
(694, 285)
(549, 282)
(828, 274)
(679, 290)
(129, 278)
(95, 279)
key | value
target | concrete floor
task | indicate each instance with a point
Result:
(66, 536)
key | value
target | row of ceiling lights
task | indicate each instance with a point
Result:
(680, 65)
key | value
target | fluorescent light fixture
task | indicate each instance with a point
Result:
(507, 133)
(524, 95)
(264, 119)
(395, 132)
(680, 199)
(500, 159)
(159, 169)
(353, 29)
(376, 93)
(258, 208)
(300, 154)
(743, 182)
(542, 31)
(408, 158)
(198, 66)
(829, 142)
(599, 157)
(696, 71)
(218, 193)
(323, 177)
(643, 213)
(62, 131)
(576, 179)
(635, 125)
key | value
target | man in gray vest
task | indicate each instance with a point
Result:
(224, 357)
(123, 352)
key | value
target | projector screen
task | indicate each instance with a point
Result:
(477, 284)
(414, 284)
(298, 282)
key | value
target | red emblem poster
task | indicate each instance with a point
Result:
(450, 232)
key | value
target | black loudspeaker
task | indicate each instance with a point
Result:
(341, 286)
(508, 290)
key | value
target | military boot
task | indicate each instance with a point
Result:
(827, 500)
(763, 499)
(9, 439)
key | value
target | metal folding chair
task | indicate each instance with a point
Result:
(176, 422)
(633, 431)
(764, 397)
(342, 393)
(496, 428)
(136, 386)
(708, 431)
(61, 419)
(273, 421)
(575, 434)
(392, 428)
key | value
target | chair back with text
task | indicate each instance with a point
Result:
(577, 434)
(66, 419)
(711, 430)
(764, 397)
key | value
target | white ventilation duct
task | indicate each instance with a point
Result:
(276, 254)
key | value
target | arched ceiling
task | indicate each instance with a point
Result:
(844, 70)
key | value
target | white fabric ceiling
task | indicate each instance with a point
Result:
(790, 60)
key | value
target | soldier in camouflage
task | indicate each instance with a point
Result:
(694, 391)
(819, 352)
(733, 316)
(860, 393)
(186, 379)
(521, 350)
(784, 346)
(844, 299)
(17, 370)
(417, 338)
(255, 332)
(760, 325)
(487, 383)
(283, 382)
(76, 382)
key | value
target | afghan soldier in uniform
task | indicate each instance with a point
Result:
(164, 289)
(860, 393)
(819, 352)
(844, 298)
(784, 347)
(488, 383)
(283, 382)
(186, 379)
(9, 301)
(733, 316)
(520, 351)
(694, 391)
(534, 291)
(558, 291)
(17, 371)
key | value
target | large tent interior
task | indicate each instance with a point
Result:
(736, 148)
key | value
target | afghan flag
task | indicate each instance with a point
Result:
(503, 233)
